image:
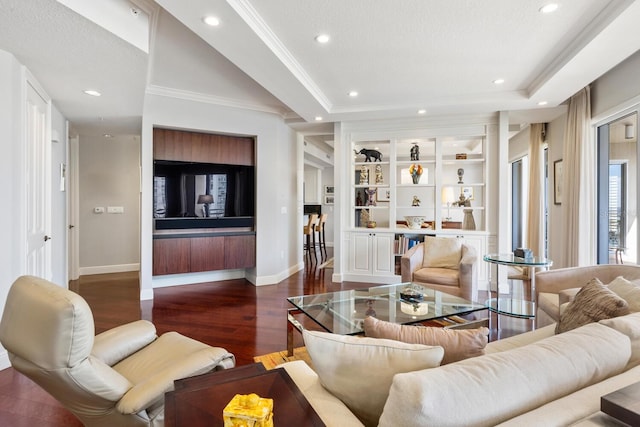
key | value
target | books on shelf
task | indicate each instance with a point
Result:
(403, 243)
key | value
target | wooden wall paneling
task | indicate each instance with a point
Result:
(171, 256)
(207, 253)
(240, 251)
(198, 147)
(159, 144)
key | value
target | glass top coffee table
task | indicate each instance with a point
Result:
(343, 312)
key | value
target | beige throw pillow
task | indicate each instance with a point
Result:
(592, 303)
(628, 291)
(442, 252)
(458, 344)
(359, 371)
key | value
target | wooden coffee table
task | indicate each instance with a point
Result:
(200, 400)
(623, 404)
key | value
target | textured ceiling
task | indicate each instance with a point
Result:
(440, 55)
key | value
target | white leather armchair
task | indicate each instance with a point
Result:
(117, 378)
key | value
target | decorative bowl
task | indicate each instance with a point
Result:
(414, 221)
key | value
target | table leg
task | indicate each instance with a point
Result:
(292, 324)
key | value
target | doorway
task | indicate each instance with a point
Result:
(618, 191)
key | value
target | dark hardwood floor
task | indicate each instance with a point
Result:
(234, 314)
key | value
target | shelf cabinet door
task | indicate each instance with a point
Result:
(171, 256)
(382, 249)
(371, 253)
(240, 252)
(207, 253)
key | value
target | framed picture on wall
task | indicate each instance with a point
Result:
(383, 195)
(328, 190)
(328, 200)
(557, 182)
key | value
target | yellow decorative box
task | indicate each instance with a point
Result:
(248, 410)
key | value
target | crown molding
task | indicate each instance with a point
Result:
(212, 99)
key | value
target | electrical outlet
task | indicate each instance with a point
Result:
(98, 210)
(115, 209)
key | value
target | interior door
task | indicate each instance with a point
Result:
(38, 182)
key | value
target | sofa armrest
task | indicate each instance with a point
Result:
(411, 261)
(122, 341)
(331, 410)
(469, 272)
(567, 295)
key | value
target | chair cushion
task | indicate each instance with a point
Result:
(592, 303)
(58, 323)
(442, 252)
(458, 344)
(359, 371)
(438, 276)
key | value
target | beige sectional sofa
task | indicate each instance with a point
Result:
(557, 287)
(536, 378)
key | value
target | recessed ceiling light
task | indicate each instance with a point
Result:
(353, 93)
(422, 111)
(548, 8)
(542, 103)
(498, 81)
(108, 135)
(211, 20)
(322, 38)
(92, 92)
(318, 118)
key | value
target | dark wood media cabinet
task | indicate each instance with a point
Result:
(190, 253)
(217, 243)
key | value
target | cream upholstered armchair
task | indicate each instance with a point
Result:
(444, 264)
(117, 378)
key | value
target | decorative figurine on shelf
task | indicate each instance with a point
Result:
(368, 154)
(358, 199)
(460, 175)
(416, 172)
(416, 201)
(371, 196)
(468, 222)
(379, 177)
(415, 151)
(364, 218)
(364, 175)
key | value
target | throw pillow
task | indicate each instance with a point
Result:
(359, 371)
(592, 303)
(458, 344)
(441, 252)
(628, 291)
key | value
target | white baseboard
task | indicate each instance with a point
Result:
(276, 278)
(105, 269)
(192, 278)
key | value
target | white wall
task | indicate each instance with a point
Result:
(59, 233)
(109, 175)
(10, 177)
(278, 236)
(617, 89)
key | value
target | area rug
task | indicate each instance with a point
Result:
(327, 264)
(272, 360)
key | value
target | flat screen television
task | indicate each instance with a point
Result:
(202, 195)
